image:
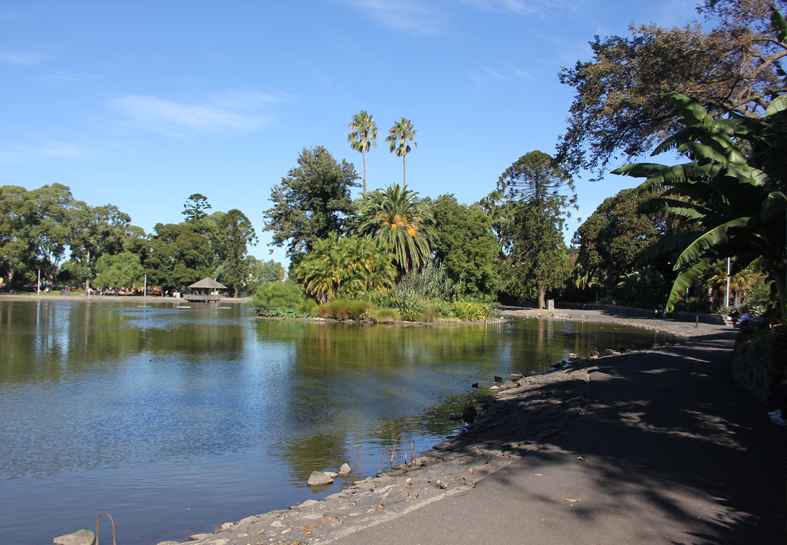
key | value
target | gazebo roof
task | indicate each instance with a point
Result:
(208, 283)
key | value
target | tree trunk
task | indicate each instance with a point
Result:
(404, 165)
(363, 152)
(541, 294)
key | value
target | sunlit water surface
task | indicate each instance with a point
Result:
(175, 420)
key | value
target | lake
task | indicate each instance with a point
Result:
(175, 420)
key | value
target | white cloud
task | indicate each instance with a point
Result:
(227, 112)
(411, 16)
(21, 57)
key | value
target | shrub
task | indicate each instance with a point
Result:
(270, 295)
(308, 306)
(344, 309)
(470, 310)
(383, 315)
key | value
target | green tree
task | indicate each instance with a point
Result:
(732, 195)
(17, 251)
(179, 255)
(122, 270)
(536, 194)
(732, 68)
(344, 267)
(466, 245)
(398, 137)
(611, 240)
(235, 234)
(196, 208)
(363, 135)
(400, 222)
(311, 202)
(48, 222)
(96, 232)
(263, 272)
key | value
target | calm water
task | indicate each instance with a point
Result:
(176, 420)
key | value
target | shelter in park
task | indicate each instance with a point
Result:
(204, 284)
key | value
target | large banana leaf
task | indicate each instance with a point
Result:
(675, 207)
(684, 281)
(710, 240)
(668, 244)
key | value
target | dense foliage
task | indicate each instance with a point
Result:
(311, 202)
(731, 193)
(617, 110)
(530, 206)
(466, 245)
(610, 241)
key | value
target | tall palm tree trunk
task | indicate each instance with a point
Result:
(363, 152)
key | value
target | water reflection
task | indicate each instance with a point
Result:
(175, 420)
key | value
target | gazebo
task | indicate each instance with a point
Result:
(204, 284)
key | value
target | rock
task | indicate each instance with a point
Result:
(331, 474)
(82, 537)
(227, 525)
(318, 478)
(168, 543)
(345, 469)
(197, 537)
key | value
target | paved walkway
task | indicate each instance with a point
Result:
(670, 450)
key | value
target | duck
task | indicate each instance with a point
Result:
(498, 379)
(474, 385)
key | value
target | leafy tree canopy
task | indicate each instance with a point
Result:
(617, 109)
(466, 245)
(611, 240)
(311, 202)
(179, 256)
(235, 234)
(122, 270)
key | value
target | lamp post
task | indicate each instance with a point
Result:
(38, 286)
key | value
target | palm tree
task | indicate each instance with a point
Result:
(399, 221)
(397, 138)
(363, 133)
(344, 267)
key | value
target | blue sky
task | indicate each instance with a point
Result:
(142, 103)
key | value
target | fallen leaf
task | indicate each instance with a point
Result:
(571, 501)
(581, 458)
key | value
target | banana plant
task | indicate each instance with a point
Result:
(730, 196)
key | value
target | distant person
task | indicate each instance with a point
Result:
(745, 318)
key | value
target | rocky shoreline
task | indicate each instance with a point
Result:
(521, 416)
